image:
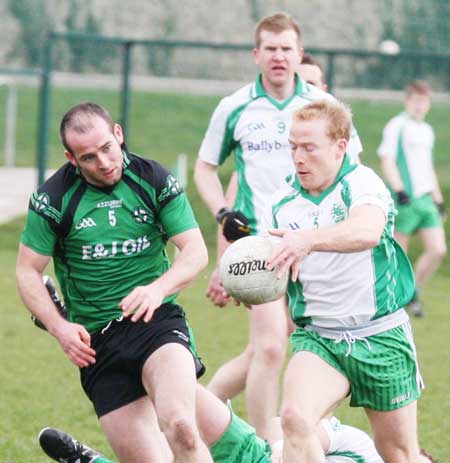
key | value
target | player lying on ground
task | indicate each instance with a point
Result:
(61, 447)
(230, 439)
(346, 444)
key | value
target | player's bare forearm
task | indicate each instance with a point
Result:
(362, 230)
(191, 260)
(230, 197)
(436, 193)
(29, 269)
(73, 338)
(392, 174)
(209, 186)
(222, 244)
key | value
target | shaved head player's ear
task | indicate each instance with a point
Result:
(118, 133)
(70, 157)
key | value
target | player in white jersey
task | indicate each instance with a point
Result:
(254, 124)
(349, 283)
(406, 153)
(229, 379)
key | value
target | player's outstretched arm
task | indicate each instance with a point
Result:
(361, 230)
(216, 292)
(190, 261)
(73, 338)
(393, 178)
(438, 198)
(208, 184)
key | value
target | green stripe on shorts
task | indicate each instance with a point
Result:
(355, 457)
(384, 376)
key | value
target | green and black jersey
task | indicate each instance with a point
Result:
(107, 241)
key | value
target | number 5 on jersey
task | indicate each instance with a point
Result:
(112, 217)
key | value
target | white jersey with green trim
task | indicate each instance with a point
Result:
(410, 143)
(349, 444)
(344, 290)
(256, 127)
(346, 445)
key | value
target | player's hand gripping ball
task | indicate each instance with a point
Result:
(244, 274)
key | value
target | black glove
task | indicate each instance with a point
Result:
(234, 224)
(441, 209)
(403, 198)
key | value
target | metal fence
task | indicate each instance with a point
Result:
(86, 53)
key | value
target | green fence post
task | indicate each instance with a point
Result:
(125, 93)
(330, 71)
(43, 113)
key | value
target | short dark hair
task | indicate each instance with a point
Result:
(79, 117)
(309, 59)
(278, 22)
(418, 87)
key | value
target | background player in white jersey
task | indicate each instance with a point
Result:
(406, 153)
(254, 124)
(312, 73)
(349, 282)
(229, 380)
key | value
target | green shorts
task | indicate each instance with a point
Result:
(382, 371)
(420, 213)
(240, 444)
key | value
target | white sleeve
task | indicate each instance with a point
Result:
(217, 143)
(367, 188)
(389, 141)
(349, 444)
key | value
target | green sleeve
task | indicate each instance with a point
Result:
(177, 216)
(38, 235)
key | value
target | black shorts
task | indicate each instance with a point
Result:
(121, 351)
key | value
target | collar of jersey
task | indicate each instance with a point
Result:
(345, 169)
(407, 117)
(126, 160)
(259, 91)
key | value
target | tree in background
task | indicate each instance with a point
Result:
(86, 55)
(160, 58)
(417, 26)
(34, 21)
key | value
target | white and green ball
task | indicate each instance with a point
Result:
(244, 273)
